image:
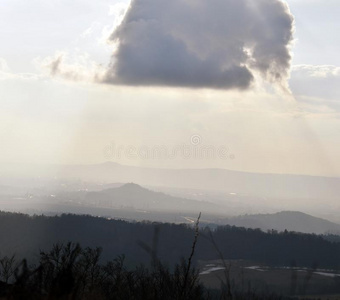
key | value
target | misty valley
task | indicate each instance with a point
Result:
(231, 243)
(170, 150)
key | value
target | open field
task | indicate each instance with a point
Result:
(246, 275)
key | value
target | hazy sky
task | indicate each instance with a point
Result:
(181, 75)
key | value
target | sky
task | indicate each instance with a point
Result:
(245, 85)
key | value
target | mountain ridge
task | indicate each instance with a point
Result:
(286, 220)
(132, 195)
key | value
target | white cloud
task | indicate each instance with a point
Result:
(118, 12)
(76, 67)
(89, 31)
(316, 81)
(326, 71)
(5, 72)
(3, 65)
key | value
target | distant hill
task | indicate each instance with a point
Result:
(246, 183)
(286, 220)
(266, 185)
(239, 192)
(134, 196)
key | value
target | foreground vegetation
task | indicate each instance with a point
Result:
(158, 270)
(71, 272)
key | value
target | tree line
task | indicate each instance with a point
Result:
(24, 236)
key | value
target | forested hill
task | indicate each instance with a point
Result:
(290, 220)
(25, 236)
(134, 196)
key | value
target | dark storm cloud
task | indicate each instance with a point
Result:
(202, 43)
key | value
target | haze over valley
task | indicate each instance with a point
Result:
(222, 196)
(170, 150)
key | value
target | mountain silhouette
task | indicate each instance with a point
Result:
(286, 220)
(134, 196)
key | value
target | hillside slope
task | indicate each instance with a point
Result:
(134, 196)
(286, 220)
